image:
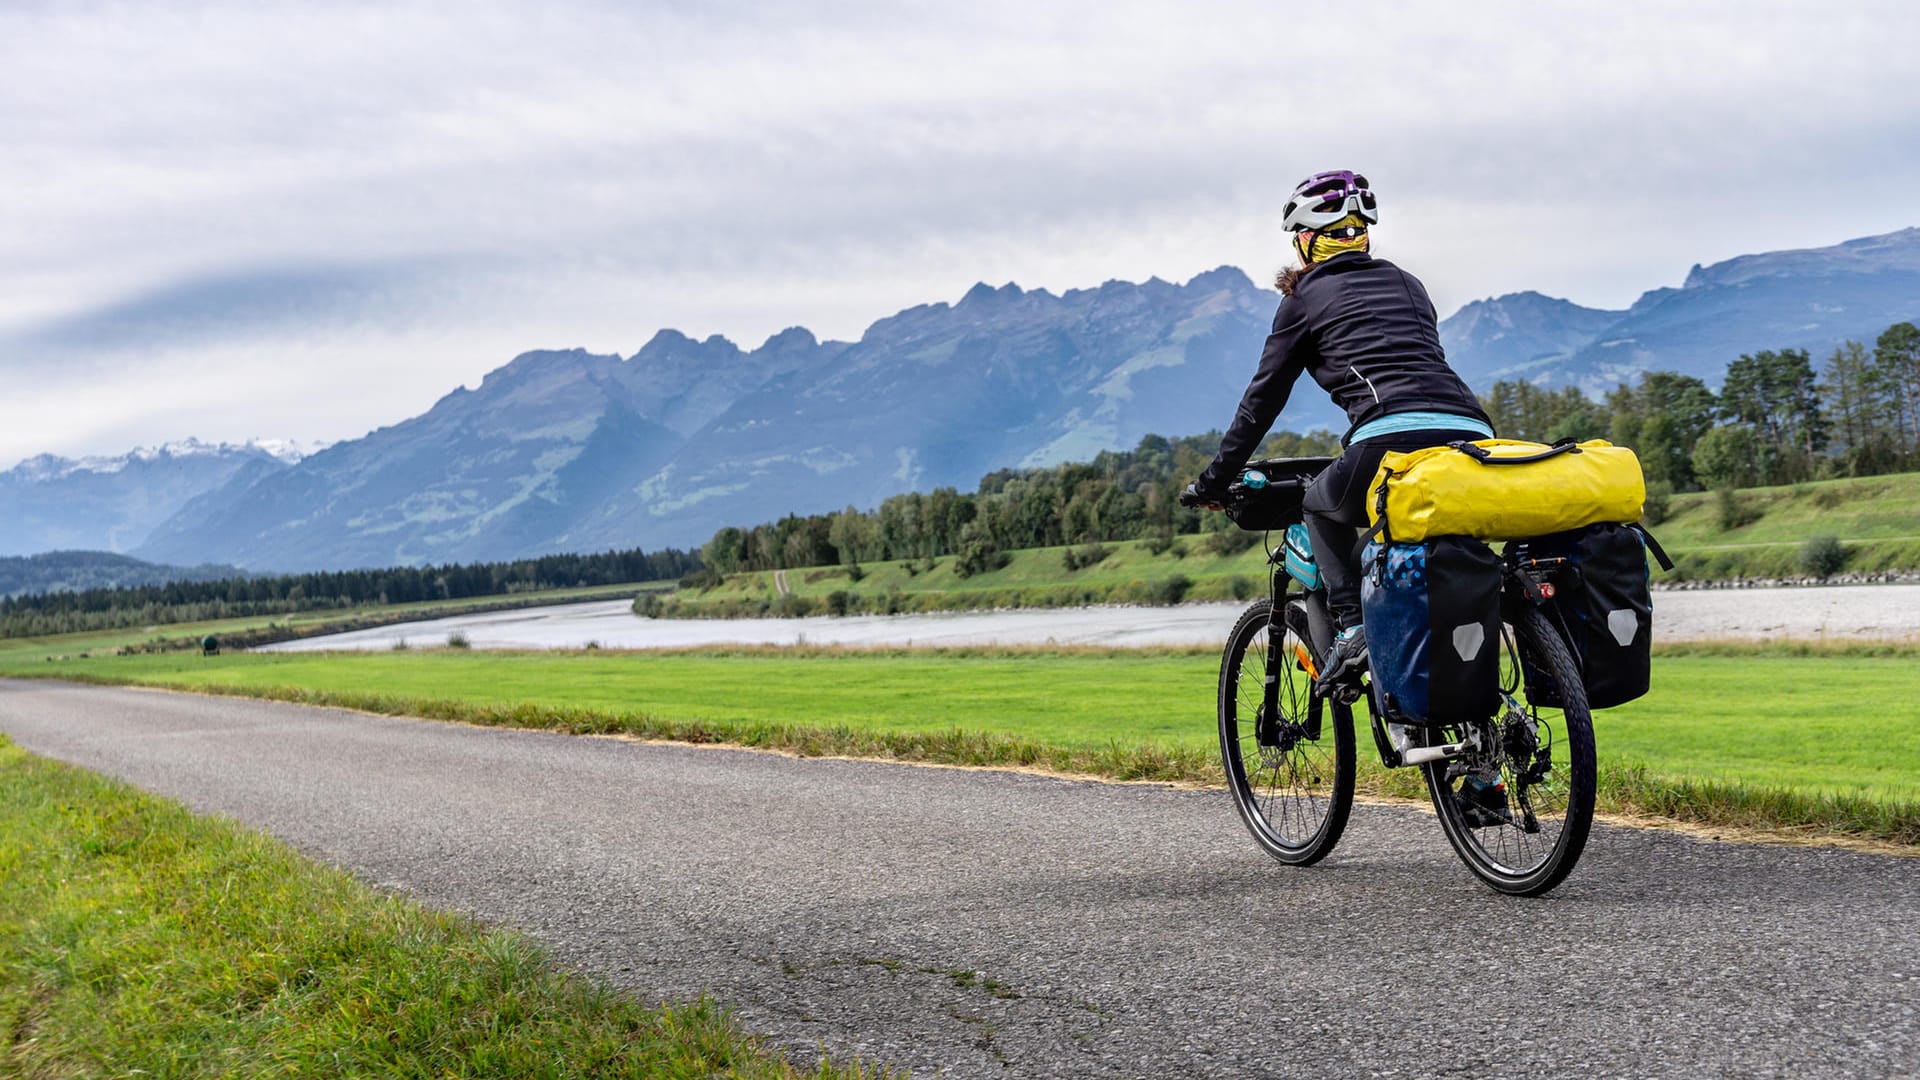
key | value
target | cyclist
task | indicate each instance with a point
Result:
(1367, 333)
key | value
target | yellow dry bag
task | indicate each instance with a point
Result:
(1500, 489)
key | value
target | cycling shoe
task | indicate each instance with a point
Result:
(1483, 804)
(1340, 671)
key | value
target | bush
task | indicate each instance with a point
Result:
(1084, 556)
(1241, 586)
(795, 606)
(840, 602)
(855, 572)
(1231, 541)
(648, 605)
(1822, 557)
(702, 579)
(1178, 550)
(458, 640)
(1659, 502)
(978, 556)
(1159, 543)
(1171, 590)
(1733, 511)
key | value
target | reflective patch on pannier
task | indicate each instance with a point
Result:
(1432, 612)
(1467, 640)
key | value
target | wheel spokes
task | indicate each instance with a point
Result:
(1290, 782)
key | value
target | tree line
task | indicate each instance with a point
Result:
(238, 597)
(1119, 495)
(1776, 420)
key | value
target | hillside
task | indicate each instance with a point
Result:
(75, 571)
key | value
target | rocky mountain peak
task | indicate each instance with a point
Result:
(1228, 278)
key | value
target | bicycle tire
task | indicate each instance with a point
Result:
(1298, 797)
(1493, 849)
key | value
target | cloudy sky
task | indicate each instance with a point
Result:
(304, 221)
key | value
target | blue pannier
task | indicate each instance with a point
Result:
(1432, 613)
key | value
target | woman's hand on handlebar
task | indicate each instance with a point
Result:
(1193, 495)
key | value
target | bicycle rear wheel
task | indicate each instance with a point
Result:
(1290, 771)
(1518, 810)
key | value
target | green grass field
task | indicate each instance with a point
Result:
(137, 939)
(1817, 726)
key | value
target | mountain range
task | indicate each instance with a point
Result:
(1809, 299)
(50, 503)
(572, 450)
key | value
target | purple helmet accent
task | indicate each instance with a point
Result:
(1325, 198)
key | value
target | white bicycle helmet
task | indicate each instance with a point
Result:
(1326, 198)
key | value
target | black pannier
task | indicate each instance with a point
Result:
(1602, 598)
(1269, 493)
(1432, 613)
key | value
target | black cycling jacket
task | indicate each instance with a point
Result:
(1367, 333)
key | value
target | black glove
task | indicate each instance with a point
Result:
(1194, 495)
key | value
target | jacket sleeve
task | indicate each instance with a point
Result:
(1289, 350)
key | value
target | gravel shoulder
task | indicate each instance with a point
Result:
(972, 923)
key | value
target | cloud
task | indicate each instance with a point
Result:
(431, 189)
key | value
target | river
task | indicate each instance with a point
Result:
(1839, 613)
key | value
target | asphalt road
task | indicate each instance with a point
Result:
(999, 924)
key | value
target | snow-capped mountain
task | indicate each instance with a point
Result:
(113, 503)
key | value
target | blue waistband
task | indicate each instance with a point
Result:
(1418, 421)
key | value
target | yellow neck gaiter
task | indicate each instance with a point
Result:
(1315, 246)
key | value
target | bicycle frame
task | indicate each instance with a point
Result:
(1527, 581)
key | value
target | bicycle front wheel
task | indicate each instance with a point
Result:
(1290, 769)
(1518, 809)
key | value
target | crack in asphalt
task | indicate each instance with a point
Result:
(976, 923)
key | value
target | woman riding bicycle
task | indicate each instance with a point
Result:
(1367, 333)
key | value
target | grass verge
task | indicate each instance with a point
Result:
(138, 938)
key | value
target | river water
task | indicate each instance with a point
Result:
(1840, 613)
